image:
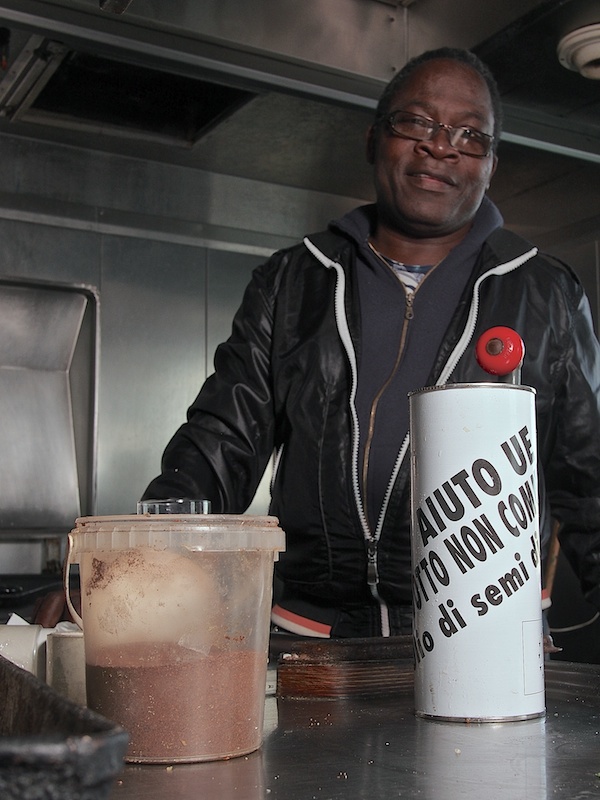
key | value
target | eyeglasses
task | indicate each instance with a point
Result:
(468, 141)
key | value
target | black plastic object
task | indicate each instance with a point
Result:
(51, 748)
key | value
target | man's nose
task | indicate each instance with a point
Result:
(439, 145)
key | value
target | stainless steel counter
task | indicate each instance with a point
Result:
(377, 749)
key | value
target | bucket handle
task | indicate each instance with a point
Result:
(67, 582)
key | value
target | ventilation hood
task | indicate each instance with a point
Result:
(54, 85)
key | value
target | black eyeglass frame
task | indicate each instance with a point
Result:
(433, 127)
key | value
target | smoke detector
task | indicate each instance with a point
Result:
(579, 50)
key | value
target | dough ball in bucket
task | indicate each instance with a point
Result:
(145, 595)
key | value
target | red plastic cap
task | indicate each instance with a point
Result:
(500, 350)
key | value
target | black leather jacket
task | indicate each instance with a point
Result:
(284, 380)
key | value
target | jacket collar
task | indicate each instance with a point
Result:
(359, 224)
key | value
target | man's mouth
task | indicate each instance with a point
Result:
(431, 178)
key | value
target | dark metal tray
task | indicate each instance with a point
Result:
(51, 748)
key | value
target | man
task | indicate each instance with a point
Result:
(335, 332)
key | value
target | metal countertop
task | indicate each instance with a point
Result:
(376, 748)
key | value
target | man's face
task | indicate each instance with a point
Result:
(429, 189)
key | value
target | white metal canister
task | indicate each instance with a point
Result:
(476, 553)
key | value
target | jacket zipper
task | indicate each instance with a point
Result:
(408, 315)
(409, 298)
(452, 361)
(372, 539)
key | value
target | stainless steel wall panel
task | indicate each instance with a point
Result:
(152, 359)
(88, 190)
(49, 253)
(22, 560)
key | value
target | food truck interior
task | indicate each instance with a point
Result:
(153, 153)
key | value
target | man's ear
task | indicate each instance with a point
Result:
(371, 144)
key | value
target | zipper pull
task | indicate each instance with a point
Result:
(372, 575)
(410, 298)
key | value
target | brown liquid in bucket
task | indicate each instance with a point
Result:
(176, 630)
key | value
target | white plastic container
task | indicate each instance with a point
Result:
(24, 645)
(476, 554)
(176, 616)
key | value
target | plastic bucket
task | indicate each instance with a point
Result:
(176, 612)
(478, 634)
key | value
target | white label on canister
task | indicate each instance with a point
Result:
(476, 553)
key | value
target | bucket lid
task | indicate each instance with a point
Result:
(211, 532)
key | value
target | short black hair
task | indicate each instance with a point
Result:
(454, 54)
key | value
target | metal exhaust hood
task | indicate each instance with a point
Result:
(52, 84)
